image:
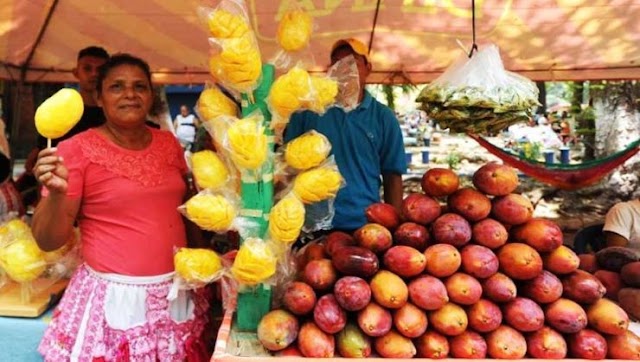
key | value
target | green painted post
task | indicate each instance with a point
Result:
(257, 200)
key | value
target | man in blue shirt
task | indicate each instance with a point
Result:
(366, 143)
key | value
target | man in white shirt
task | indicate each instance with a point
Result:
(185, 125)
(622, 225)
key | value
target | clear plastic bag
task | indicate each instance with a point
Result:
(197, 267)
(22, 260)
(478, 95)
(236, 62)
(293, 36)
(318, 183)
(243, 140)
(213, 211)
(297, 90)
(286, 220)
(345, 72)
(213, 103)
(210, 171)
(229, 19)
(254, 263)
(307, 150)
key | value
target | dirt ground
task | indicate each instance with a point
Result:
(572, 210)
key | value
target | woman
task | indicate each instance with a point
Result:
(122, 182)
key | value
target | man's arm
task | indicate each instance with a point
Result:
(393, 189)
(614, 239)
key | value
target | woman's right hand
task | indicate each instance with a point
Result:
(51, 172)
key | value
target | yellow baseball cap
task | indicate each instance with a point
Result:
(356, 45)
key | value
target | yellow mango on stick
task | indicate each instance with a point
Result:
(286, 219)
(294, 30)
(59, 113)
(307, 151)
(197, 266)
(317, 184)
(209, 170)
(22, 260)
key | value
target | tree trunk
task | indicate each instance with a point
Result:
(542, 97)
(618, 124)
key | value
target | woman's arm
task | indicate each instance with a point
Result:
(55, 214)
(53, 221)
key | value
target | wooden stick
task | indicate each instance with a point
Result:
(48, 142)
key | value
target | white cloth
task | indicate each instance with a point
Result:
(186, 127)
(624, 219)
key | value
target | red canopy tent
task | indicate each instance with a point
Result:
(411, 40)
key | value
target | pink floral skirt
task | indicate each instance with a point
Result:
(111, 317)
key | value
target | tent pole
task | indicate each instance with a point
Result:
(373, 28)
(32, 52)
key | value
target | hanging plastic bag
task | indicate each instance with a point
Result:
(212, 211)
(345, 72)
(307, 150)
(213, 103)
(243, 140)
(286, 220)
(236, 62)
(297, 90)
(478, 95)
(227, 20)
(255, 263)
(209, 170)
(293, 36)
(197, 267)
(318, 183)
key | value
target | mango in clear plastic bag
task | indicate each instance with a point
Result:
(211, 212)
(294, 30)
(307, 151)
(247, 143)
(14, 229)
(317, 184)
(208, 170)
(22, 260)
(254, 263)
(197, 266)
(286, 219)
(59, 113)
(213, 103)
(239, 64)
(224, 24)
(290, 92)
(326, 91)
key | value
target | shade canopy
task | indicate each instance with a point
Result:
(412, 41)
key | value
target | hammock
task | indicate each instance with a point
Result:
(566, 177)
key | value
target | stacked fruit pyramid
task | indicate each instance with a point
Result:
(462, 272)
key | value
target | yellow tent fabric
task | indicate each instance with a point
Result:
(411, 40)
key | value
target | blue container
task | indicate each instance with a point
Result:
(564, 155)
(408, 157)
(425, 156)
(427, 141)
(548, 157)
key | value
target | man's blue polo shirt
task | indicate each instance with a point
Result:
(366, 142)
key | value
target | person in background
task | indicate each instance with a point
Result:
(123, 182)
(366, 142)
(185, 125)
(622, 225)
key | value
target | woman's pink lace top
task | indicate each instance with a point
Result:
(128, 215)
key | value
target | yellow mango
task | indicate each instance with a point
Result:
(209, 170)
(199, 266)
(286, 219)
(317, 184)
(294, 30)
(211, 212)
(22, 260)
(254, 263)
(59, 113)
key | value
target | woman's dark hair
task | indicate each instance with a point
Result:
(118, 60)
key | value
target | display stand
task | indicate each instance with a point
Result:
(257, 200)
